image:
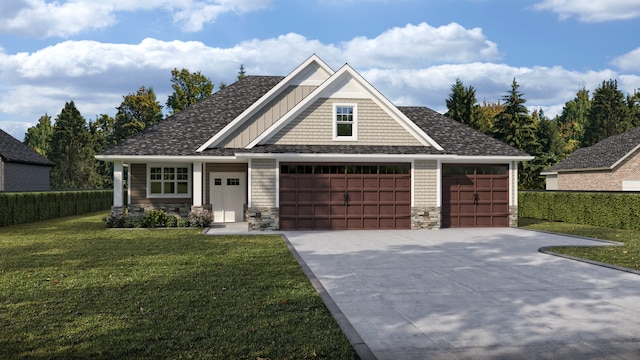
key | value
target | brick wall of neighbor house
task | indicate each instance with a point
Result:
(315, 126)
(139, 201)
(264, 212)
(425, 213)
(602, 180)
(26, 177)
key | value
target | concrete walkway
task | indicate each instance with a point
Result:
(472, 294)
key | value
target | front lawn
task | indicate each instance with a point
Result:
(627, 255)
(70, 288)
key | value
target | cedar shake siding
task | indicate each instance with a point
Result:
(315, 126)
(425, 183)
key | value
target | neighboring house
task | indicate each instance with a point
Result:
(21, 168)
(613, 164)
(318, 149)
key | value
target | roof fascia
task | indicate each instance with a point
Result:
(625, 157)
(165, 159)
(383, 157)
(376, 96)
(255, 107)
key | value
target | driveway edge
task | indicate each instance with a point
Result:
(549, 251)
(350, 332)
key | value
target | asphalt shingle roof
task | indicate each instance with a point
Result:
(183, 133)
(12, 150)
(601, 155)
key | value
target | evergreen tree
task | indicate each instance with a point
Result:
(462, 105)
(513, 125)
(633, 102)
(609, 114)
(71, 150)
(241, 73)
(102, 134)
(136, 112)
(38, 137)
(188, 89)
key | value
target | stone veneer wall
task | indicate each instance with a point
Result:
(425, 218)
(266, 218)
(181, 210)
(513, 216)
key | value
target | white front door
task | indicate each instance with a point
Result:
(227, 196)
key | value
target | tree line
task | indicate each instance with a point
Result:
(71, 141)
(584, 121)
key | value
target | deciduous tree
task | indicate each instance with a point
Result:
(188, 89)
(136, 112)
(38, 137)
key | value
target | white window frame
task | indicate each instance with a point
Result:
(354, 123)
(175, 180)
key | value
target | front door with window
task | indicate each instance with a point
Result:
(228, 193)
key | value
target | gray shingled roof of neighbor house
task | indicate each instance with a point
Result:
(603, 155)
(12, 150)
(182, 133)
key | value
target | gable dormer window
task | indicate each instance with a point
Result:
(345, 124)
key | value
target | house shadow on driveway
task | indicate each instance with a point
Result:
(472, 294)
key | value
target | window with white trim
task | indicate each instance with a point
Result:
(345, 122)
(168, 181)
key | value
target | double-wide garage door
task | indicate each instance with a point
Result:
(475, 196)
(345, 196)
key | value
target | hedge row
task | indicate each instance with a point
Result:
(26, 207)
(612, 210)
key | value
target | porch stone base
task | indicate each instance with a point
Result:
(425, 218)
(513, 216)
(181, 210)
(263, 218)
(118, 210)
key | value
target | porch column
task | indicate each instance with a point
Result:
(117, 185)
(197, 185)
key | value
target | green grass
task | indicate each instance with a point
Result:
(69, 288)
(627, 255)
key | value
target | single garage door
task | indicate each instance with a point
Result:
(345, 196)
(475, 196)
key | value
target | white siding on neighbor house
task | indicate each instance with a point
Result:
(551, 182)
(425, 186)
(314, 126)
(271, 113)
(263, 183)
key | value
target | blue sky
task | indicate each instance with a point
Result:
(95, 52)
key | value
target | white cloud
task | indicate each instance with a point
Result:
(96, 75)
(592, 11)
(426, 44)
(629, 61)
(42, 19)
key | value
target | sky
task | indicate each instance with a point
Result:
(95, 52)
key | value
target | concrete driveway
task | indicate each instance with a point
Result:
(471, 294)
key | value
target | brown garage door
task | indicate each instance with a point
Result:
(475, 196)
(345, 196)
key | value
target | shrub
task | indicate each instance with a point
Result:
(172, 221)
(115, 220)
(154, 218)
(199, 218)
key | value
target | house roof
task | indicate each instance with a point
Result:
(185, 132)
(12, 150)
(605, 155)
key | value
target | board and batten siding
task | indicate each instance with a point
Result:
(263, 183)
(425, 186)
(314, 126)
(271, 113)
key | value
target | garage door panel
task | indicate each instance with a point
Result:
(318, 201)
(476, 199)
